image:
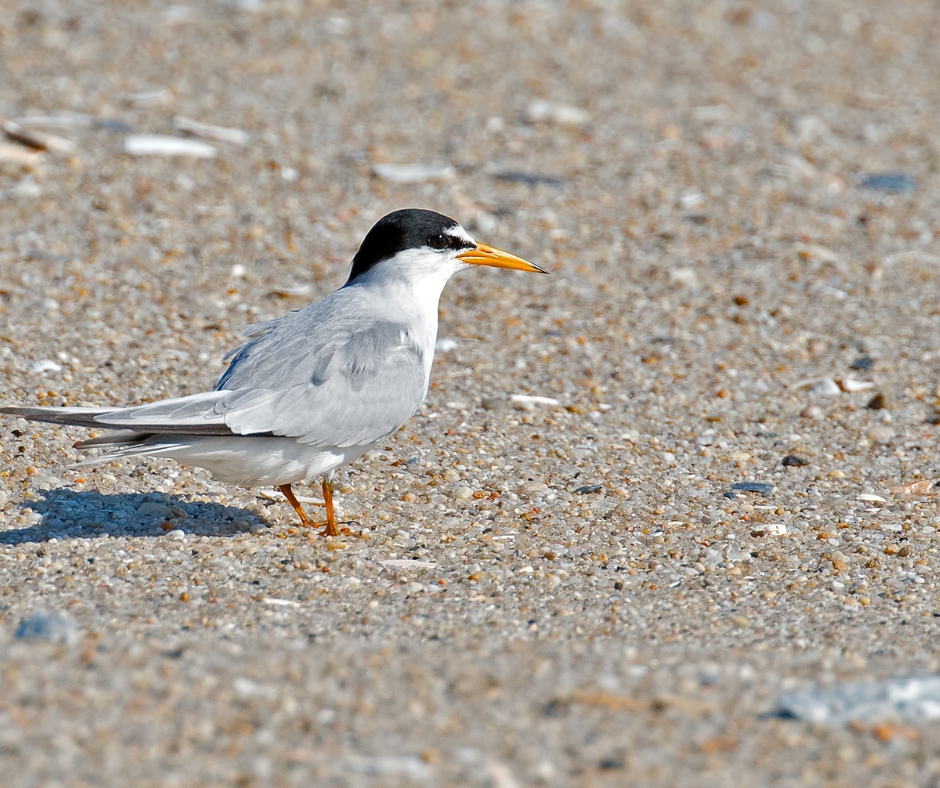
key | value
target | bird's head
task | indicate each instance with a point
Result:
(416, 244)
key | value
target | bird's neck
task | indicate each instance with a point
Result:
(409, 297)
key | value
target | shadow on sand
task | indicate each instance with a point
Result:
(71, 514)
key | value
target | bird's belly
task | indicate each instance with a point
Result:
(251, 462)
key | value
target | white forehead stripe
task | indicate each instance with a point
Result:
(459, 233)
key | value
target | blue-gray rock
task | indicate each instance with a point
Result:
(911, 700)
(49, 627)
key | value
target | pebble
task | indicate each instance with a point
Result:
(826, 387)
(49, 627)
(878, 402)
(462, 494)
(153, 509)
(911, 700)
(794, 461)
(589, 488)
(812, 412)
(890, 182)
(755, 487)
(863, 362)
(494, 403)
(881, 433)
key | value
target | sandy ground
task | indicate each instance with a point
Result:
(566, 593)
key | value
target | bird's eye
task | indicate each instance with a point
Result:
(438, 242)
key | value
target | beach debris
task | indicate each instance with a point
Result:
(862, 363)
(910, 700)
(825, 387)
(754, 487)
(44, 365)
(406, 563)
(68, 120)
(409, 767)
(39, 140)
(588, 488)
(881, 433)
(851, 385)
(49, 627)
(920, 487)
(684, 276)
(878, 402)
(770, 529)
(413, 173)
(529, 401)
(794, 461)
(445, 345)
(21, 158)
(830, 387)
(164, 145)
(275, 602)
(527, 178)
(889, 182)
(871, 498)
(553, 112)
(148, 98)
(208, 131)
(290, 291)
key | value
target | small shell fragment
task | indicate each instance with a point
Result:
(164, 145)
(287, 291)
(871, 498)
(920, 487)
(44, 365)
(148, 98)
(562, 114)
(68, 121)
(405, 563)
(275, 602)
(850, 385)
(445, 345)
(528, 400)
(21, 157)
(413, 173)
(208, 131)
(40, 140)
(826, 387)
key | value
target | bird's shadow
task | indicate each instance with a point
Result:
(72, 514)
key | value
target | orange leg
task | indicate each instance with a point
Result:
(331, 529)
(330, 523)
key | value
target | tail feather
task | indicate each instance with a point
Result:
(120, 438)
(78, 417)
(184, 415)
(135, 445)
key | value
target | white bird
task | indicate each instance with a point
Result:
(316, 388)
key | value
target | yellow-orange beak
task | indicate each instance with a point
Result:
(487, 255)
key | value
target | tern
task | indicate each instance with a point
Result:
(316, 388)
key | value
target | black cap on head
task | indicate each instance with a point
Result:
(409, 228)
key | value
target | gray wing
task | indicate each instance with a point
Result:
(352, 390)
(329, 375)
